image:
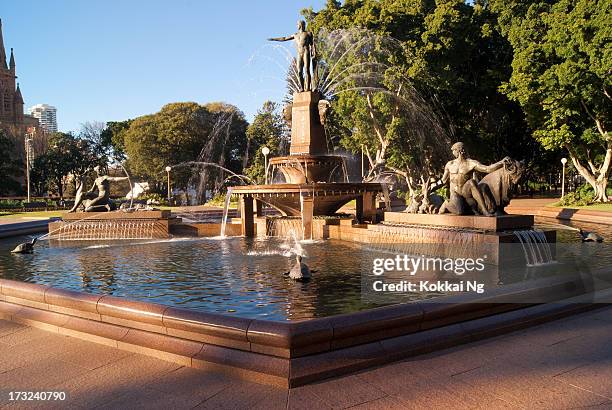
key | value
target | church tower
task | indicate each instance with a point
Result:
(12, 118)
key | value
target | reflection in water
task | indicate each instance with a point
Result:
(231, 275)
(234, 275)
(567, 231)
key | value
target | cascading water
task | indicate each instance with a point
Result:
(429, 240)
(535, 247)
(385, 190)
(84, 230)
(228, 198)
(283, 227)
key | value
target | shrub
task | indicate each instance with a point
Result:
(583, 196)
(10, 204)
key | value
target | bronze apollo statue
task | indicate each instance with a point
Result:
(306, 56)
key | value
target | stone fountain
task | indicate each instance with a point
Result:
(310, 188)
(95, 216)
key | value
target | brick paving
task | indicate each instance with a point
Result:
(561, 364)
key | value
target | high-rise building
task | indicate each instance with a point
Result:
(47, 116)
(12, 118)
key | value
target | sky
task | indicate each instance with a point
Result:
(110, 60)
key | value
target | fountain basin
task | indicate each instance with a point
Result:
(290, 354)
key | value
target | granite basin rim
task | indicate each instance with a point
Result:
(290, 354)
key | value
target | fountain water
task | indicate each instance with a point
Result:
(284, 227)
(535, 247)
(228, 198)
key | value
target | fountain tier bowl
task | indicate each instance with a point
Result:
(301, 169)
(327, 198)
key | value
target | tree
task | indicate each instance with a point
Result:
(112, 135)
(562, 70)
(433, 71)
(227, 146)
(182, 134)
(67, 159)
(11, 166)
(40, 176)
(268, 129)
(96, 135)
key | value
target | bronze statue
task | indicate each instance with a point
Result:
(465, 193)
(99, 202)
(323, 107)
(306, 54)
(498, 187)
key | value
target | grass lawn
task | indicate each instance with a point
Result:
(39, 214)
(49, 214)
(606, 207)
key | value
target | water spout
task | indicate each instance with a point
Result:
(228, 198)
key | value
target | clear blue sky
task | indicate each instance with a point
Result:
(107, 60)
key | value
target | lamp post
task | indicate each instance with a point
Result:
(563, 161)
(168, 169)
(28, 150)
(362, 164)
(265, 151)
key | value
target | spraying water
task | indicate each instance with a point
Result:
(228, 198)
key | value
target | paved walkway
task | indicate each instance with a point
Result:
(561, 364)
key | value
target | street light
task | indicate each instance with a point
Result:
(168, 169)
(29, 158)
(362, 163)
(265, 151)
(563, 161)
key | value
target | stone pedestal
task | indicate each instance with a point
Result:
(246, 214)
(307, 213)
(485, 223)
(115, 225)
(307, 133)
(365, 207)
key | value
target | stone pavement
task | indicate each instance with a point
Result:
(561, 364)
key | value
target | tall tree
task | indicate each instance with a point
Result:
(68, 159)
(562, 74)
(11, 167)
(444, 64)
(112, 135)
(181, 134)
(95, 133)
(268, 129)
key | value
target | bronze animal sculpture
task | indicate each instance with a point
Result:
(26, 247)
(300, 271)
(498, 186)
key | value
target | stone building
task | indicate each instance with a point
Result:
(12, 118)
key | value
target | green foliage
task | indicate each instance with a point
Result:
(10, 204)
(455, 57)
(10, 166)
(561, 76)
(268, 129)
(67, 157)
(178, 134)
(219, 200)
(113, 136)
(583, 196)
(152, 197)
